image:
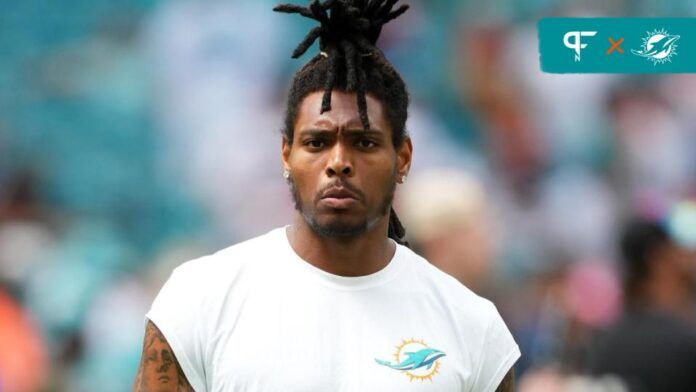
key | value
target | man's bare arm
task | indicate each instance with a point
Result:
(159, 370)
(508, 383)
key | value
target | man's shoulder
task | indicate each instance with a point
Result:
(207, 282)
(449, 289)
(251, 248)
(250, 253)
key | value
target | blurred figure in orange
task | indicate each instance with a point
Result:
(23, 356)
(653, 346)
(445, 211)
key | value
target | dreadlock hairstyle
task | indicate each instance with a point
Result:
(349, 60)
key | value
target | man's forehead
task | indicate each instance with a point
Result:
(330, 131)
(344, 113)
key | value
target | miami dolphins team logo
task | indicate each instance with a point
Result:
(658, 47)
(415, 359)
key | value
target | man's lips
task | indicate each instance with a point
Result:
(339, 198)
(340, 203)
(339, 193)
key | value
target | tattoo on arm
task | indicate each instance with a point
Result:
(508, 383)
(159, 370)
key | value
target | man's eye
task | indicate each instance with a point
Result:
(315, 143)
(366, 143)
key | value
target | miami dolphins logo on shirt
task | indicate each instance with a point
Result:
(415, 359)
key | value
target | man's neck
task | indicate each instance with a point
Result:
(345, 256)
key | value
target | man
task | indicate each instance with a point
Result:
(336, 301)
(653, 345)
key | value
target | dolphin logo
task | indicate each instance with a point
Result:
(658, 46)
(415, 360)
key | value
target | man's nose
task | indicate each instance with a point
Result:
(339, 161)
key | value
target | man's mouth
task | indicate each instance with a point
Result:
(339, 198)
(338, 203)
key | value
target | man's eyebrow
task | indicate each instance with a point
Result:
(351, 132)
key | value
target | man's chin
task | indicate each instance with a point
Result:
(337, 228)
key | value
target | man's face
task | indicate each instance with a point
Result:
(343, 178)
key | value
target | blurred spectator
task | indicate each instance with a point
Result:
(551, 380)
(654, 144)
(24, 230)
(444, 212)
(511, 137)
(23, 355)
(653, 346)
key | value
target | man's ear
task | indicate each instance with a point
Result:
(285, 149)
(403, 157)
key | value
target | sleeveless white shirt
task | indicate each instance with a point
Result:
(256, 317)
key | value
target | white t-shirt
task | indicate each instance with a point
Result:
(257, 317)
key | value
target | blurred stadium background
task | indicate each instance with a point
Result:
(135, 135)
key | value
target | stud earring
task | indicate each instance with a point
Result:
(286, 174)
(403, 178)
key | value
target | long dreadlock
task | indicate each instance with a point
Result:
(350, 60)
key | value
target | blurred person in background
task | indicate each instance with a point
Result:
(24, 232)
(653, 345)
(550, 379)
(320, 304)
(446, 213)
(23, 356)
